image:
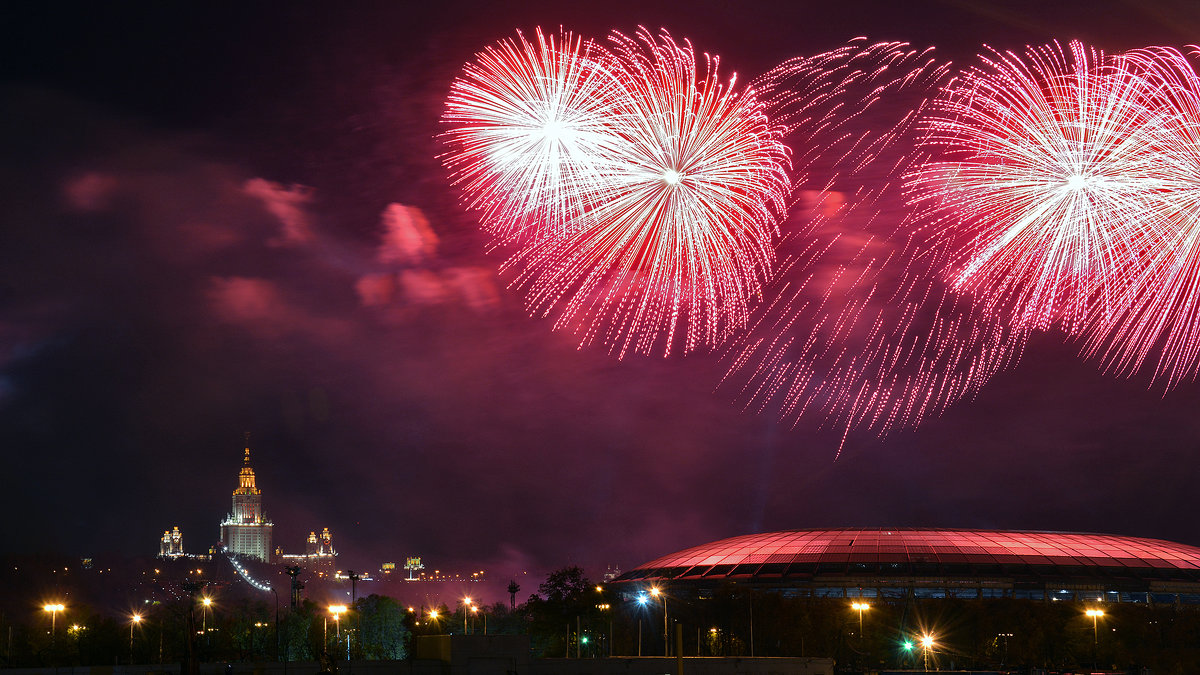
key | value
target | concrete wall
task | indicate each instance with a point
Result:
(692, 665)
(482, 664)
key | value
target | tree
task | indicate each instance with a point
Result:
(564, 586)
(382, 634)
(561, 604)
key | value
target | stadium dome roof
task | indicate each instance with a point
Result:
(922, 552)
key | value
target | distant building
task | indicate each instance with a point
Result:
(246, 531)
(319, 554)
(171, 545)
(612, 573)
(894, 565)
(413, 564)
(322, 546)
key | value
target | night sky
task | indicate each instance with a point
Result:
(204, 221)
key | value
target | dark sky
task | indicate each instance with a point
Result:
(194, 245)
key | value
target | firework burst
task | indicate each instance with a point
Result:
(531, 123)
(1158, 318)
(1044, 175)
(673, 240)
(860, 330)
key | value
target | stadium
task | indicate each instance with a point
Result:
(934, 563)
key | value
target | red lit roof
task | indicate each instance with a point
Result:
(746, 554)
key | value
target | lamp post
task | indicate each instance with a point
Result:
(276, 623)
(926, 646)
(607, 611)
(1095, 614)
(642, 600)
(466, 606)
(337, 611)
(207, 602)
(860, 607)
(133, 621)
(666, 631)
(474, 612)
(54, 609)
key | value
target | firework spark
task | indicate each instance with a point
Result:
(1043, 169)
(860, 329)
(673, 238)
(530, 124)
(1158, 318)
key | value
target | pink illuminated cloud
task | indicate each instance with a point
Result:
(286, 204)
(407, 236)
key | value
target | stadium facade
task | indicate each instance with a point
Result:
(934, 563)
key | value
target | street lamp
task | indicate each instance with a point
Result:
(474, 611)
(54, 609)
(926, 646)
(466, 605)
(642, 599)
(207, 602)
(1095, 614)
(337, 611)
(860, 607)
(133, 621)
(666, 631)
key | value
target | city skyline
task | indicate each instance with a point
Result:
(220, 222)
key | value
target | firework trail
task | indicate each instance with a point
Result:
(1158, 316)
(1044, 174)
(530, 124)
(860, 330)
(671, 237)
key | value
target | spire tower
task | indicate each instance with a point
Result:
(246, 531)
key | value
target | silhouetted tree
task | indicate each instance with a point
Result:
(382, 633)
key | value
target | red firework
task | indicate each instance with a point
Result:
(860, 329)
(672, 235)
(531, 125)
(1043, 170)
(1158, 318)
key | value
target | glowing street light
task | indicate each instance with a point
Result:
(860, 607)
(474, 611)
(666, 631)
(207, 602)
(54, 609)
(1095, 614)
(133, 621)
(926, 645)
(337, 611)
(642, 600)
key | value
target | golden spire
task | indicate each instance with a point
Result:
(246, 484)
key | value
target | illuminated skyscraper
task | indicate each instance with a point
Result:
(246, 531)
(318, 556)
(171, 545)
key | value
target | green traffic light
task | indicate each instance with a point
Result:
(908, 646)
(585, 640)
